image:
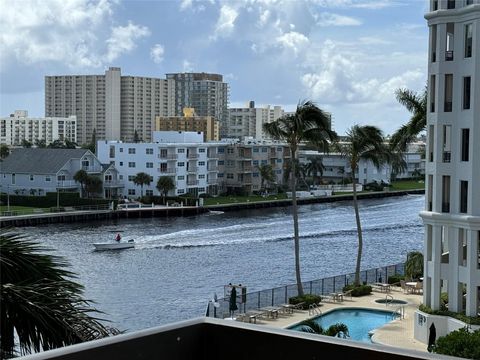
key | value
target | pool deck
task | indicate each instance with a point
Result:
(398, 333)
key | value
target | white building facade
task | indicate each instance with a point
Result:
(183, 156)
(19, 127)
(452, 214)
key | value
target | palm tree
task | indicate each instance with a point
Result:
(362, 142)
(311, 124)
(398, 163)
(41, 306)
(314, 167)
(81, 176)
(335, 330)
(414, 264)
(266, 174)
(4, 151)
(164, 185)
(417, 105)
(142, 179)
(93, 185)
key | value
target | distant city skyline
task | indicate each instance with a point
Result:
(346, 55)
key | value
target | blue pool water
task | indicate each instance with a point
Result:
(359, 321)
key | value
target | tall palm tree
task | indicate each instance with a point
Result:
(266, 174)
(414, 264)
(314, 167)
(142, 179)
(362, 142)
(416, 104)
(40, 302)
(81, 176)
(335, 330)
(164, 185)
(308, 124)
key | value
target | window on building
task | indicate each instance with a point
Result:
(229, 176)
(450, 4)
(131, 177)
(264, 162)
(279, 160)
(221, 150)
(121, 163)
(445, 194)
(279, 171)
(465, 144)
(221, 162)
(32, 178)
(255, 149)
(131, 164)
(180, 191)
(264, 149)
(230, 151)
(131, 150)
(447, 140)
(149, 165)
(120, 177)
(468, 40)
(149, 192)
(432, 93)
(181, 177)
(48, 178)
(180, 164)
(220, 175)
(180, 151)
(112, 151)
(448, 93)
(255, 174)
(121, 149)
(279, 148)
(149, 151)
(201, 189)
(201, 176)
(450, 34)
(466, 92)
(230, 163)
(433, 45)
(201, 150)
(131, 191)
(255, 162)
(463, 196)
(201, 163)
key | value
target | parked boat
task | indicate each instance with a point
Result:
(130, 244)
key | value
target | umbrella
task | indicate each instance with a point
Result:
(432, 336)
(233, 301)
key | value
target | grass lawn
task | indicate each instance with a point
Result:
(241, 199)
(407, 185)
(21, 210)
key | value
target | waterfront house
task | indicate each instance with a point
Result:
(37, 171)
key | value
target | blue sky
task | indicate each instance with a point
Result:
(346, 55)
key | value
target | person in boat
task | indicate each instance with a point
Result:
(118, 237)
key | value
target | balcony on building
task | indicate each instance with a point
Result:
(212, 154)
(166, 171)
(113, 184)
(168, 156)
(192, 182)
(67, 184)
(92, 169)
(192, 154)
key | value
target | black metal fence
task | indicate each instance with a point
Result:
(280, 295)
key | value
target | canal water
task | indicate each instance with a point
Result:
(179, 263)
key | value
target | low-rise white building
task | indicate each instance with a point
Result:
(183, 156)
(19, 127)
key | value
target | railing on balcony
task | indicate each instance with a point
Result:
(67, 184)
(449, 55)
(212, 154)
(92, 168)
(192, 182)
(447, 106)
(212, 168)
(445, 207)
(211, 181)
(168, 156)
(192, 169)
(192, 156)
(167, 171)
(447, 156)
(113, 183)
(244, 169)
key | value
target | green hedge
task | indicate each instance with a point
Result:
(359, 290)
(50, 200)
(461, 343)
(158, 200)
(307, 299)
(394, 279)
(472, 320)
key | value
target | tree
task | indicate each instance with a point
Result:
(92, 145)
(136, 137)
(41, 306)
(26, 144)
(93, 185)
(416, 104)
(335, 330)
(164, 185)
(4, 151)
(362, 142)
(70, 144)
(461, 343)
(40, 143)
(414, 265)
(142, 179)
(314, 167)
(81, 176)
(311, 124)
(267, 175)
(397, 163)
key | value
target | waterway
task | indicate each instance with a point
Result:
(178, 263)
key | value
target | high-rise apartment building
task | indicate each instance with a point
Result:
(452, 215)
(206, 93)
(248, 121)
(19, 127)
(190, 121)
(111, 105)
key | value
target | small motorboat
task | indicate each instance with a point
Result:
(130, 244)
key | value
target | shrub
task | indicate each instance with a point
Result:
(373, 186)
(358, 290)
(466, 319)
(461, 343)
(307, 299)
(394, 279)
(50, 200)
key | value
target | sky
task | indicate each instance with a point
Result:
(348, 56)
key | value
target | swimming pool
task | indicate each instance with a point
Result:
(359, 321)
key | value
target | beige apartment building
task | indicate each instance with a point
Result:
(111, 105)
(190, 122)
(238, 164)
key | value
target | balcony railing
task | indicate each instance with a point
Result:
(244, 169)
(447, 106)
(167, 171)
(192, 182)
(67, 184)
(211, 181)
(192, 169)
(445, 207)
(113, 183)
(447, 156)
(192, 156)
(449, 55)
(212, 168)
(92, 169)
(168, 156)
(212, 155)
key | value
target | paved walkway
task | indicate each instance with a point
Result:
(398, 333)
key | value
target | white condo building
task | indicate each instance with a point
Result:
(184, 156)
(19, 127)
(248, 121)
(452, 215)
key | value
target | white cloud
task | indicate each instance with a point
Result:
(123, 39)
(156, 53)
(185, 4)
(225, 23)
(293, 41)
(330, 19)
(371, 40)
(187, 66)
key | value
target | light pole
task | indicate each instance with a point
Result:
(8, 198)
(58, 195)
